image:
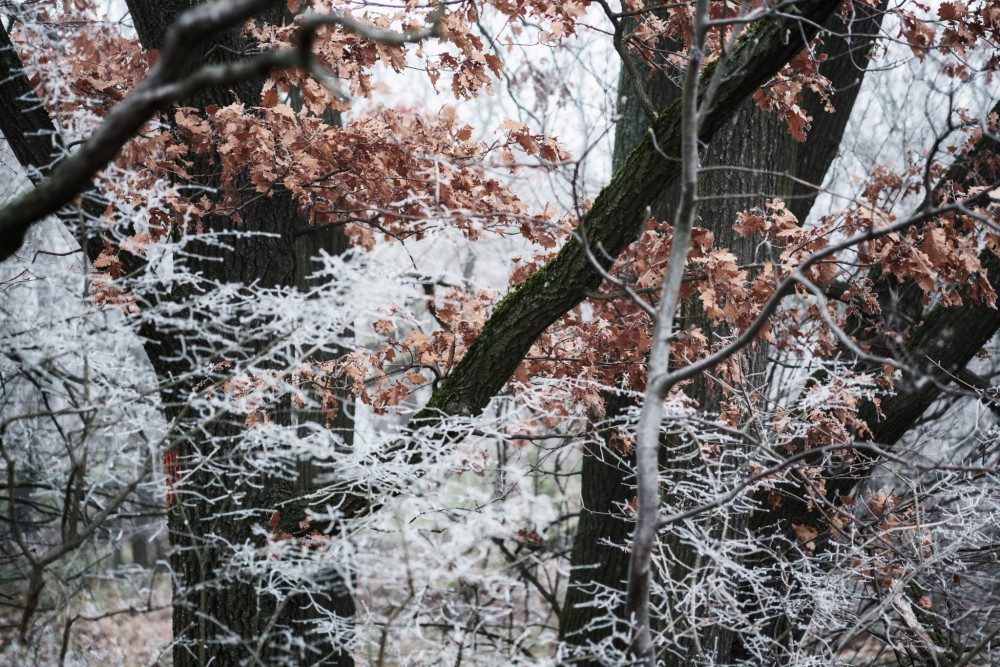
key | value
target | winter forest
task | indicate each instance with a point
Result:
(499, 332)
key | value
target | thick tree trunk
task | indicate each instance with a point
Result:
(758, 144)
(220, 615)
(598, 632)
(754, 141)
(336, 594)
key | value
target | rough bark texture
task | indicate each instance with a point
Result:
(308, 245)
(756, 141)
(592, 617)
(339, 588)
(612, 224)
(218, 618)
(607, 479)
(213, 612)
(937, 346)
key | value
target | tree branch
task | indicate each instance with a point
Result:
(614, 220)
(166, 84)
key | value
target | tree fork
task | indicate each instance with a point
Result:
(615, 219)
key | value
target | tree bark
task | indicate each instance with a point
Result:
(219, 614)
(592, 621)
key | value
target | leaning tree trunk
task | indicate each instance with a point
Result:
(759, 142)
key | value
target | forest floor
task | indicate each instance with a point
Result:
(104, 632)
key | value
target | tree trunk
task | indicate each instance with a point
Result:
(223, 615)
(757, 143)
(592, 618)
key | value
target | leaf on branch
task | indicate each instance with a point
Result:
(806, 536)
(270, 98)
